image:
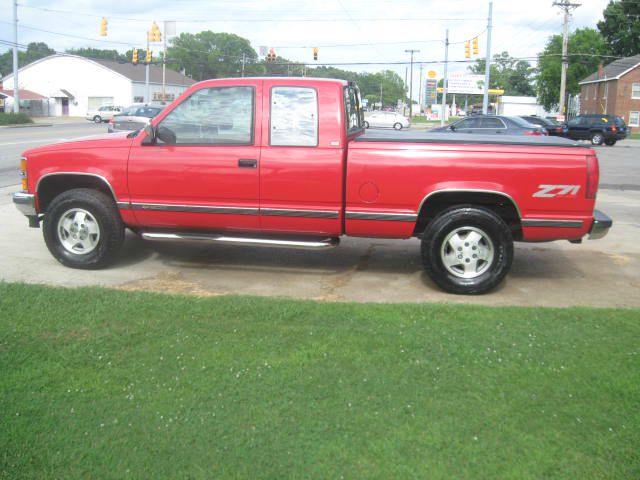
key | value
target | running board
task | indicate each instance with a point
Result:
(250, 241)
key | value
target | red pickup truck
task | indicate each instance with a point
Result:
(286, 162)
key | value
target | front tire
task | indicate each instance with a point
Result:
(397, 126)
(97, 119)
(83, 229)
(467, 250)
(597, 139)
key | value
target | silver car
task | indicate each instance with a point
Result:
(104, 113)
(381, 119)
(133, 118)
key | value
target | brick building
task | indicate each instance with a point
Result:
(614, 90)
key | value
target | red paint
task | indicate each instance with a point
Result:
(335, 175)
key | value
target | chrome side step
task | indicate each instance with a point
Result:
(250, 241)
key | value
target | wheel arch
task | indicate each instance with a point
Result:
(53, 184)
(499, 202)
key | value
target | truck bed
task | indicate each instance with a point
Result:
(465, 138)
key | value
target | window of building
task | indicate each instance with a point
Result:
(213, 116)
(138, 99)
(634, 119)
(294, 117)
(635, 90)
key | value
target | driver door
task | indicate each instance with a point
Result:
(204, 171)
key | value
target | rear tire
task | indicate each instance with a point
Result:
(610, 142)
(597, 139)
(366, 124)
(467, 250)
(397, 126)
(83, 229)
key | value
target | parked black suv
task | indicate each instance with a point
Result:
(607, 129)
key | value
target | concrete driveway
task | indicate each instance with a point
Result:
(603, 272)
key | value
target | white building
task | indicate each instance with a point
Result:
(512, 105)
(73, 85)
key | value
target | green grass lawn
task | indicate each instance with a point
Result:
(107, 384)
(635, 136)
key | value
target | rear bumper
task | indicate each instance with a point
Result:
(25, 203)
(600, 226)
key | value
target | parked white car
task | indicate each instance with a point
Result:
(104, 113)
(381, 119)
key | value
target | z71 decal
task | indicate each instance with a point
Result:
(547, 191)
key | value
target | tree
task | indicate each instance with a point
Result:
(393, 87)
(586, 41)
(510, 74)
(621, 27)
(35, 51)
(89, 52)
(212, 55)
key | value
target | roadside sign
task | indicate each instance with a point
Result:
(432, 74)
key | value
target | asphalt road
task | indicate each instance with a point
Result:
(14, 141)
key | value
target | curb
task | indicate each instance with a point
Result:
(29, 125)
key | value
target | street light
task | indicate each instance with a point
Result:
(411, 51)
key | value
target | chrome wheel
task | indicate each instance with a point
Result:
(467, 252)
(397, 126)
(78, 231)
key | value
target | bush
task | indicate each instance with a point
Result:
(14, 118)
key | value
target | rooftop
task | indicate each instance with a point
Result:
(614, 70)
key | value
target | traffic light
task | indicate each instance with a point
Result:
(151, 35)
(134, 56)
(467, 49)
(154, 34)
(103, 27)
(149, 56)
(271, 55)
(315, 53)
(476, 47)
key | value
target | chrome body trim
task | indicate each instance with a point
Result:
(287, 212)
(541, 222)
(161, 207)
(78, 173)
(382, 216)
(266, 242)
(25, 203)
(600, 226)
(123, 205)
(471, 190)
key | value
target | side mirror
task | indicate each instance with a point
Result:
(166, 135)
(150, 135)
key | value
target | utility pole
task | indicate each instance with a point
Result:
(420, 91)
(164, 62)
(567, 6)
(146, 75)
(243, 60)
(411, 51)
(444, 78)
(16, 88)
(380, 96)
(487, 68)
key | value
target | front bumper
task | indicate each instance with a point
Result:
(600, 226)
(25, 203)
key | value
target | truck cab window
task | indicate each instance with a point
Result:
(294, 117)
(213, 116)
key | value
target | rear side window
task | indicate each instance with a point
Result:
(488, 122)
(294, 117)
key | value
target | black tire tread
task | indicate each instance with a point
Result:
(104, 209)
(469, 215)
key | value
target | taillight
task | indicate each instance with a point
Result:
(593, 177)
(613, 128)
(558, 129)
(534, 133)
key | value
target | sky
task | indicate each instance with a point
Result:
(363, 35)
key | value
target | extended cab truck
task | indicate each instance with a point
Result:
(285, 162)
